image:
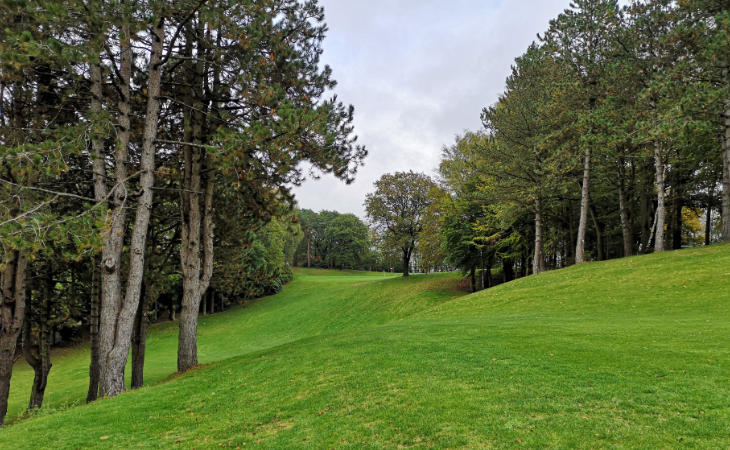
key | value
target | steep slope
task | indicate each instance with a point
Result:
(632, 352)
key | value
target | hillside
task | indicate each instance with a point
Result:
(630, 352)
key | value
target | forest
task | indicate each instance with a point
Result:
(611, 139)
(149, 152)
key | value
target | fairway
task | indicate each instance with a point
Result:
(631, 352)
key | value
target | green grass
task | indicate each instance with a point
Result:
(632, 352)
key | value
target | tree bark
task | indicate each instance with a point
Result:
(677, 205)
(93, 392)
(115, 356)
(708, 220)
(482, 281)
(40, 359)
(100, 195)
(584, 203)
(12, 315)
(661, 209)
(113, 237)
(139, 339)
(645, 210)
(623, 211)
(726, 176)
(406, 261)
(197, 221)
(538, 260)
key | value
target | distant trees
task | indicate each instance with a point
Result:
(397, 210)
(332, 240)
(250, 264)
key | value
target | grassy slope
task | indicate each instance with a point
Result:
(630, 352)
(316, 302)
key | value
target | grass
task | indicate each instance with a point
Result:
(632, 352)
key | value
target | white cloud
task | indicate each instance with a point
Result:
(418, 73)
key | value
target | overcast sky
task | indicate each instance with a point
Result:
(418, 72)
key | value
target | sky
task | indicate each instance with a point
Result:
(419, 73)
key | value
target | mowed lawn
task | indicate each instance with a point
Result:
(632, 352)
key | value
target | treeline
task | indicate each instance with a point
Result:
(612, 138)
(333, 241)
(147, 152)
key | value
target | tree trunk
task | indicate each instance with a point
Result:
(645, 220)
(106, 285)
(661, 210)
(139, 338)
(94, 336)
(677, 205)
(708, 220)
(538, 260)
(197, 222)
(623, 211)
(473, 278)
(584, 202)
(40, 377)
(599, 235)
(482, 281)
(406, 262)
(12, 314)
(309, 249)
(523, 264)
(113, 236)
(726, 176)
(508, 272)
(115, 358)
(490, 261)
(196, 279)
(40, 360)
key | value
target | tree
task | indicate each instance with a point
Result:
(703, 28)
(254, 110)
(307, 220)
(348, 238)
(396, 209)
(526, 161)
(430, 250)
(332, 240)
(250, 264)
(39, 137)
(580, 38)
